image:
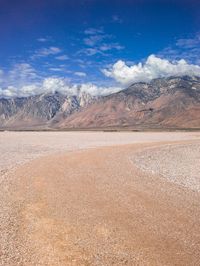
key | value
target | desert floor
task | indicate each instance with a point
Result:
(97, 198)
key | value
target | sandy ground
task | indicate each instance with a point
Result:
(19, 147)
(101, 206)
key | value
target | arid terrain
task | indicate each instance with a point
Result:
(163, 103)
(99, 198)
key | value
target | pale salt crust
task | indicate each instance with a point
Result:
(179, 164)
(19, 147)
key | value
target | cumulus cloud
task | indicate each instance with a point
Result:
(52, 84)
(23, 79)
(154, 67)
(98, 90)
(23, 91)
(8, 92)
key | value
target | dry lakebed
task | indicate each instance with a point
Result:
(99, 198)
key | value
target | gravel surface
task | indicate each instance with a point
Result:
(94, 207)
(179, 164)
(20, 147)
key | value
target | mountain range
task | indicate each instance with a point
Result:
(172, 102)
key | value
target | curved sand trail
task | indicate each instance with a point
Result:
(95, 207)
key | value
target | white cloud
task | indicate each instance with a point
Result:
(62, 57)
(53, 84)
(23, 80)
(80, 74)
(154, 67)
(8, 92)
(93, 31)
(187, 48)
(43, 52)
(21, 72)
(111, 46)
(101, 49)
(98, 90)
(42, 39)
(19, 75)
(90, 51)
(189, 43)
(93, 39)
(98, 42)
(56, 69)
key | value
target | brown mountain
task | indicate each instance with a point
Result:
(39, 111)
(162, 103)
(172, 102)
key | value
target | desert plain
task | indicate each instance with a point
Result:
(99, 198)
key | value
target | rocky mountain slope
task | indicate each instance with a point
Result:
(162, 103)
(39, 110)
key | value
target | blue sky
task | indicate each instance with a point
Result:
(77, 40)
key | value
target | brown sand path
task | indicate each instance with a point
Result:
(95, 207)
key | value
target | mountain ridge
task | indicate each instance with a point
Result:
(160, 103)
